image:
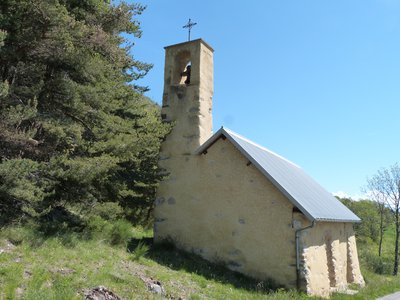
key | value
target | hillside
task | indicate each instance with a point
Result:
(68, 265)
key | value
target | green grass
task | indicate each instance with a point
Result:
(376, 286)
(62, 267)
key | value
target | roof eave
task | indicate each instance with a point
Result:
(338, 220)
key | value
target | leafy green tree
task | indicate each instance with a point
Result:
(375, 219)
(75, 129)
(385, 220)
(385, 186)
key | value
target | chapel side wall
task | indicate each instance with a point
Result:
(330, 260)
(227, 211)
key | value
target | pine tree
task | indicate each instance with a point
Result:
(75, 130)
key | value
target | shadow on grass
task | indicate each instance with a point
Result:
(168, 255)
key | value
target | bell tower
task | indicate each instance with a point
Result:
(187, 98)
(187, 104)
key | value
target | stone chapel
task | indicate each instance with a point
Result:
(231, 200)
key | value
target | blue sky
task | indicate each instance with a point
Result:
(317, 81)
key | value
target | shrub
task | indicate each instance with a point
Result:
(97, 227)
(121, 232)
(141, 250)
(69, 240)
(379, 264)
(27, 234)
(108, 210)
(16, 235)
(59, 220)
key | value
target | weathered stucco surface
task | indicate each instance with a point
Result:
(221, 207)
(231, 214)
(330, 260)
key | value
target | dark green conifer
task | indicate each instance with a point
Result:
(75, 129)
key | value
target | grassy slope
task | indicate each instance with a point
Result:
(61, 268)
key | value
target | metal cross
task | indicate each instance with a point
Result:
(189, 25)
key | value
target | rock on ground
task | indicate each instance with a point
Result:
(7, 248)
(100, 293)
(155, 287)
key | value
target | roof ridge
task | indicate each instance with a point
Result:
(261, 147)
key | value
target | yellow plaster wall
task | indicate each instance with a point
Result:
(330, 260)
(227, 211)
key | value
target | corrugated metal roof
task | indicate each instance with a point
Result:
(304, 192)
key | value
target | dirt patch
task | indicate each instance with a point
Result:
(62, 271)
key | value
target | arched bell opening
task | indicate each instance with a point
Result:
(183, 68)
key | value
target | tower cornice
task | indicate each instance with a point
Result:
(201, 41)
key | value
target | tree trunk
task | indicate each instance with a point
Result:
(380, 233)
(396, 247)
